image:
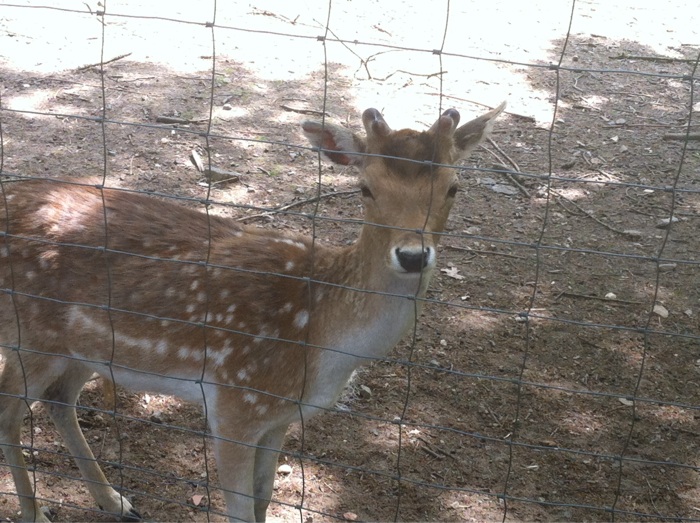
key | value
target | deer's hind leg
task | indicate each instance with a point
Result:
(19, 387)
(28, 377)
(63, 396)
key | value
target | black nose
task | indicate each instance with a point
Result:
(412, 260)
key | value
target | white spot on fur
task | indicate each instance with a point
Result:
(170, 292)
(139, 343)
(30, 275)
(194, 285)
(162, 347)
(251, 398)
(231, 308)
(289, 266)
(287, 307)
(224, 293)
(201, 296)
(219, 357)
(294, 243)
(301, 319)
(190, 308)
(229, 319)
(261, 409)
(219, 317)
(242, 375)
(263, 334)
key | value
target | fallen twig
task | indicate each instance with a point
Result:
(180, 121)
(592, 297)
(297, 204)
(681, 136)
(624, 56)
(304, 111)
(450, 97)
(609, 227)
(436, 452)
(510, 177)
(85, 67)
(497, 147)
(475, 251)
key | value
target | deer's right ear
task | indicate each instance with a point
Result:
(336, 143)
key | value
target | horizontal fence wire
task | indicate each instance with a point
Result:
(555, 400)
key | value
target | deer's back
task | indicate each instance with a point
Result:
(120, 277)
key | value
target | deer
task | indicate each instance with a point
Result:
(262, 327)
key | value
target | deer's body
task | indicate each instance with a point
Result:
(260, 327)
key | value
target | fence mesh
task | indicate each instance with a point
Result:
(553, 373)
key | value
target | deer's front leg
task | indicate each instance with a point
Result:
(235, 461)
(266, 457)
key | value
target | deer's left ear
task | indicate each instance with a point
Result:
(337, 143)
(468, 136)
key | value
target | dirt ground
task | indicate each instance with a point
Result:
(555, 372)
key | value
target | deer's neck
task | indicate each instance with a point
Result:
(363, 308)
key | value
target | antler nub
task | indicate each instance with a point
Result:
(374, 122)
(447, 123)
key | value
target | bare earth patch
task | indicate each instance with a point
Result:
(540, 381)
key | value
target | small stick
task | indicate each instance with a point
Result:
(297, 204)
(181, 121)
(451, 97)
(304, 111)
(609, 227)
(512, 162)
(681, 136)
(624, 56)
(590, 297)
(83, 68)
(506, 174)
(430, 451)
(474, 251)
(437, 450)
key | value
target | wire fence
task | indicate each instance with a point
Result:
(554, 371)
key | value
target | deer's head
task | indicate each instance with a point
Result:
(407, 180)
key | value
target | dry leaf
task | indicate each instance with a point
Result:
(661, 310)
(452, 272)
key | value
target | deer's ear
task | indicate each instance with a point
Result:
(472, 133)
(337, 143)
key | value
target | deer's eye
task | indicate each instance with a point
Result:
(366, 193)
(453, 191)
